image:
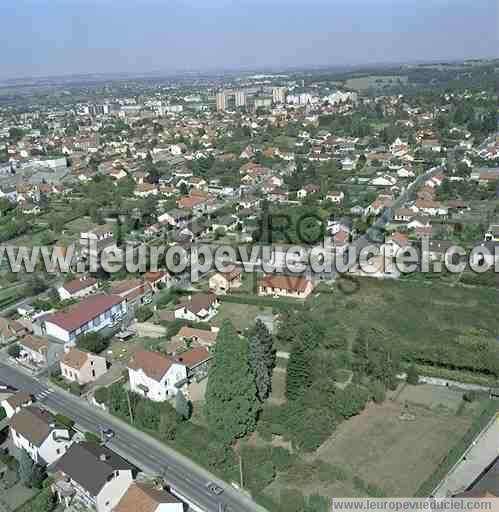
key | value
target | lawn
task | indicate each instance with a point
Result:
(242, 316)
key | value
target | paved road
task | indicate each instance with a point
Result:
(481, 453)
(140, 449)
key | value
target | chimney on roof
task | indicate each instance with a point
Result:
(103, 457)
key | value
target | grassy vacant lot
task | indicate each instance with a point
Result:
(429, 322)
(242, 316)
(375, 450)
(75, 227)
(378, 444)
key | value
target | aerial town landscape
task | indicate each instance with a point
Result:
(207, 296)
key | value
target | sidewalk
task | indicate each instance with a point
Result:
(483, 450)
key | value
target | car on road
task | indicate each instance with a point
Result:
(107, 433)
(214, 488)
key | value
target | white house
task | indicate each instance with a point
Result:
(77, 288)
(33, 350)
(91, 477)
(155, 376)
(36, 431)
(146, 498)
(201, 307)
(335, 196)
(90, 315)
(221, 282)
(82, 367)
(285, 286)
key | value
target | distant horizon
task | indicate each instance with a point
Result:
(47, 38)
(271, 70)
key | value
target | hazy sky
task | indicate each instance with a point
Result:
(46, 37)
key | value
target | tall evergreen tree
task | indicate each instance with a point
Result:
(261, 358)
(231, 395)
(299, 376)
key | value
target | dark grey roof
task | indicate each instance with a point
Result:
(441, 246)
(90, 465)
(487, 482)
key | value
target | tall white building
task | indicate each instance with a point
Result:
(221, 101)
(279, 94)
(240, 97)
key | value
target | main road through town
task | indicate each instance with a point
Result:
(149, 455)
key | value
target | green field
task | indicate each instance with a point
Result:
(430, 323)
(242, 316)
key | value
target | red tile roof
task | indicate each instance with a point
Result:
(79, 284)
(193, 357)
(86, 310)
(154, 365)
(292, 283)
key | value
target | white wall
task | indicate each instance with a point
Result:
(113, 491)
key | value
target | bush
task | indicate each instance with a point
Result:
(75, 388)
(470, 396)
(378, 392)
(412, 375)
(14, 350)
(92, 342)
(64, 420)
(143, 314)
(90, 437)
(101, 395)
(3, 414)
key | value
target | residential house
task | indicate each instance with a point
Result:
(347, 164)
(92, 477)
(397, 241)
(340, 241)
(430, 207)
(15, 402)
(196, 361)
(36, 431)
(82, 367)
(201, 307)
(11, 330)
(175, 217)
(199, 336)
(157, 280)
(222, 282)
(93, 242)
(335, 197)
(92, 314)
(431, 145)
(285, 286)
(77, 288)
(141, 497)
(135, 291)
(403, 214)
(154, 376)
(146, 190)
(225, 223)
(33, 350)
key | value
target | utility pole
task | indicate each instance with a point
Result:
(129, 405)
(241, 471)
